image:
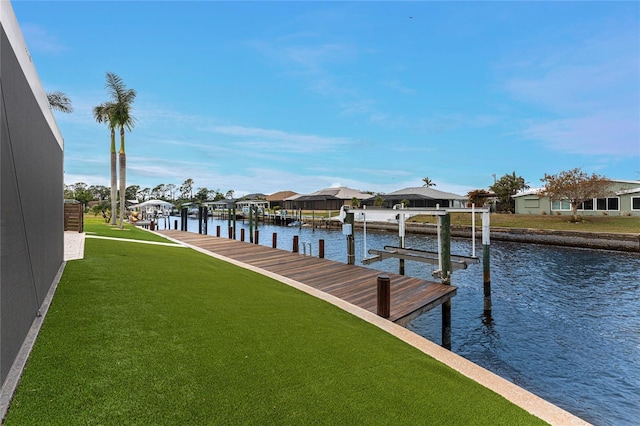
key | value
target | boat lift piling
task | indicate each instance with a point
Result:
(443, 258)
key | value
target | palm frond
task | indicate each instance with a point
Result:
(122, 99)
(59, 101)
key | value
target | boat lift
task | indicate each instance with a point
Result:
(435, 258)
(443, 258)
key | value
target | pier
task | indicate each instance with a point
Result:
(409, 297)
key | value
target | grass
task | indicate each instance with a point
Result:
(96, 226)
(147, 334)
(613, 224)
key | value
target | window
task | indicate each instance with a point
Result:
(635, 203)
(587, 205)
(560, 205)
(608, 203)
(532, 203)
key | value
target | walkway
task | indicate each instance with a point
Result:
(357, 285)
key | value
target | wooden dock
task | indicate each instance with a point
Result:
(410, 297)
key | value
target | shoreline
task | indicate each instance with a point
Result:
(591, 240)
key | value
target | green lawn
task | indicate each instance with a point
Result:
(615, 224)
(96, 226)
(147, 334)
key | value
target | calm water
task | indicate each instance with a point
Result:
(565, 323)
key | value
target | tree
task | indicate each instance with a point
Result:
(203, 194)
(186, 189)
(122, 99)
(477, 197)
(99, 192)
(132, 191)
(144, 194)
(79, 191)
(229, 194)
(576, 187)
(159, 191)
(103, 113)
(171, 190)
(58, 101)
(355, 202)
(378, 201)
(428, 182)
(506, 187)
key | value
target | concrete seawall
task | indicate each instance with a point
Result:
(592, 240)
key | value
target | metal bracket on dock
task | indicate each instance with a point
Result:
(431, 257)
(304, 248)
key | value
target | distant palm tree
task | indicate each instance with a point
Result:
(122, 99)
(59, 101)
(428, 182)
(103, 113)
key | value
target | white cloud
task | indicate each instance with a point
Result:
(598, 134)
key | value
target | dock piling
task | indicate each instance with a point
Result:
(274, 240)
(445, 221)
(384, 296)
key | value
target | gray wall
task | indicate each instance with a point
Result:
(31, 205)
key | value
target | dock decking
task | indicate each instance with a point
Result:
(357, 285)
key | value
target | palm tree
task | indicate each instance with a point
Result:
(122, 99)
(58, 101)
(103, 113)
(428, 182)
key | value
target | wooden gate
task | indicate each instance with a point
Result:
(73, 218)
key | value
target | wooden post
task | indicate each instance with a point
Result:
(231, 233)
(486, 263)
(274, 240)
(200, 220)
(242, 234)
(218, 231)
(295, 244)
(321, 249)
(183, 217)
(351, 244)
(234, 222)
(205, 220)
(401, 232)
(175, 224)
(250, 224)
(256, 237)
(445, 221)
(384, 295)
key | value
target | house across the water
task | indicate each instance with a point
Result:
(623, 201)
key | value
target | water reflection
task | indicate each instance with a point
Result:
(565, 323)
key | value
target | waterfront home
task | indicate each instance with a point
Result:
(326, 199)
(421, 196)
(623, 201)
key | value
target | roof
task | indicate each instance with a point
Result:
(530, 191)
(256, 196)
(629, 191)
(424, 192)
(281, 195)
(339, 193)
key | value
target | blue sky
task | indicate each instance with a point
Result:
(270, 96)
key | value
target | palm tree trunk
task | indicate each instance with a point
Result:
(114, 180)
(123, 176)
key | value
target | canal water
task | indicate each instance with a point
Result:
(565, 323)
